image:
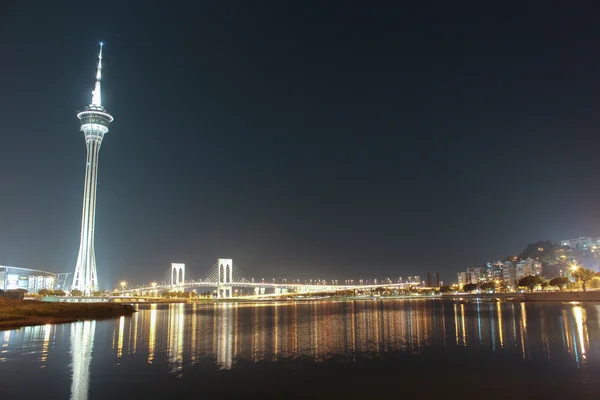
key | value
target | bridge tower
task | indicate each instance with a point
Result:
(177, 274)
(224, 278)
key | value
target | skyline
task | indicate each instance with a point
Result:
(298, 141)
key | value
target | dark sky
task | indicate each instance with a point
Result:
(328, 139)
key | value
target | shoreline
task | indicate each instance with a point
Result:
(15, 314)
(592, 296)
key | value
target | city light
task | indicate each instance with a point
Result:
(574, 266)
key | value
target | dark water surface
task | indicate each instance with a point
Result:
(424, 348)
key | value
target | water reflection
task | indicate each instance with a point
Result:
(582, 341)
(177, 336)
(82, 343)
(152, 333)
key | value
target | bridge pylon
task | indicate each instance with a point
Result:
(177, 274)
(224, 278)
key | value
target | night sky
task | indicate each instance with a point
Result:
(310, 140)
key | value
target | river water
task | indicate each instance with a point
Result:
(321, 349)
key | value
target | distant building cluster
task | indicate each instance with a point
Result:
(509, 272)
(583, 242)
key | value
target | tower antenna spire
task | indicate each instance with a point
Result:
(97, 94)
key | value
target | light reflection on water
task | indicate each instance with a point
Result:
(179, 336)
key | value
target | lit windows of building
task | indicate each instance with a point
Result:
(27, 279)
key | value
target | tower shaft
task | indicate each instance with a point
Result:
(85, 278)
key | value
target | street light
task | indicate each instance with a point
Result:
(575, 267)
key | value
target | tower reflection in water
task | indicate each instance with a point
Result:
(82, 344)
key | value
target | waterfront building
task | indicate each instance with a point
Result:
(512, 272)
(508, 271)
(27, 279)
(480, 274)
(495, 271)
(528, 267)
(466, 277)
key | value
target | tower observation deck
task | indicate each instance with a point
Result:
(94, 121)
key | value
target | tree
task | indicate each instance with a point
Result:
(445, 289)
(469, 287)
(584, 275)
(76, 293)
(504, 286)
(560, 282)
(594, 283)
(530, 282)
(488, 286)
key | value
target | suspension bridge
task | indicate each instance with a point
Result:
(225, 278)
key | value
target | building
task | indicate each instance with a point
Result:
(508, 271)
(583, 242)
(466, 278)
(495, 271)
(31, 280)
(513, 271)
(94, 125)
(528, 267)
(479, 274)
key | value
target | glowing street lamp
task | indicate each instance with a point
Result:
(574, 266)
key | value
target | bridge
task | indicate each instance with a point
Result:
(225, 277)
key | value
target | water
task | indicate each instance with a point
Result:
(321, 349)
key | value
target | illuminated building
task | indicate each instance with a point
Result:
(94, 125)
(31, 280)
(582, 242)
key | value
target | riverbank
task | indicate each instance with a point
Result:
(535, 296)
(19, 313)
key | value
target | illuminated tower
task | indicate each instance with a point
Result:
(94, 124)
